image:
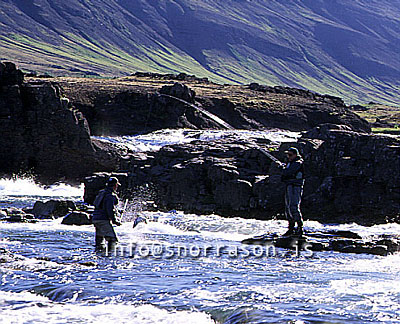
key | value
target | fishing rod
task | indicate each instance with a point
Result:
(125, 205)
(222, 123)
(138, 219)
(121, 213)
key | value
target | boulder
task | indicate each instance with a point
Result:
(52, 209)
(77, 218)
(365, 249)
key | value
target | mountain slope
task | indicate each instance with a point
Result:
(341, 47)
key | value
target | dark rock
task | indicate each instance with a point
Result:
(359, 249)
(16, 218)
(114, 109)
(15, 215)
(350, 177)
(10, 75)
(327, 241)
(381, 123)
(179, 90)
(360, 175)
(43, 134)
(77, 218)
(345, 234)
(358, 108)
(177, 77)
(52, 208)
(392, 243)
(88, 263)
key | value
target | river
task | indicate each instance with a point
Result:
(183, 268)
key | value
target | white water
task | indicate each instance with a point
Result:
(25, 307)
(53, 274)
(156, 140)
(28, 187)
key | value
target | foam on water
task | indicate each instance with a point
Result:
(28, 187)
(156, 140)
(364, 231)
(26, 307)
(329, 287)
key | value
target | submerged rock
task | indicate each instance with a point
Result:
(77, 218)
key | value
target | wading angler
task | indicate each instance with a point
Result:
(106, 214)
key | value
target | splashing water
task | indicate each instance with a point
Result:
(24, 192)
(28, 187)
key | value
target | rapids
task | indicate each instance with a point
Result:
(185, 268)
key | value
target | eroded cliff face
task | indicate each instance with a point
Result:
(43, 134)
(133, 105)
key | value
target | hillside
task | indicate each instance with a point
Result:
(345, 48)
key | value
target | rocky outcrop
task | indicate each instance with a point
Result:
(338, 241)
(42, 133)
(169, 76)
(358, 175)
(9, 75)
(133, 105)
(179, 90)
(350, 177)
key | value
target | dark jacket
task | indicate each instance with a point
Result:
(104, 204)
(293, 173)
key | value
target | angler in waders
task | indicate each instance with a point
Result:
(293, 177)
(106, 214)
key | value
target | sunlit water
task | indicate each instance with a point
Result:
(54, 275)
(154, 141)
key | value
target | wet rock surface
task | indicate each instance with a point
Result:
(16, 215)
(337, 241)
(77, 218)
